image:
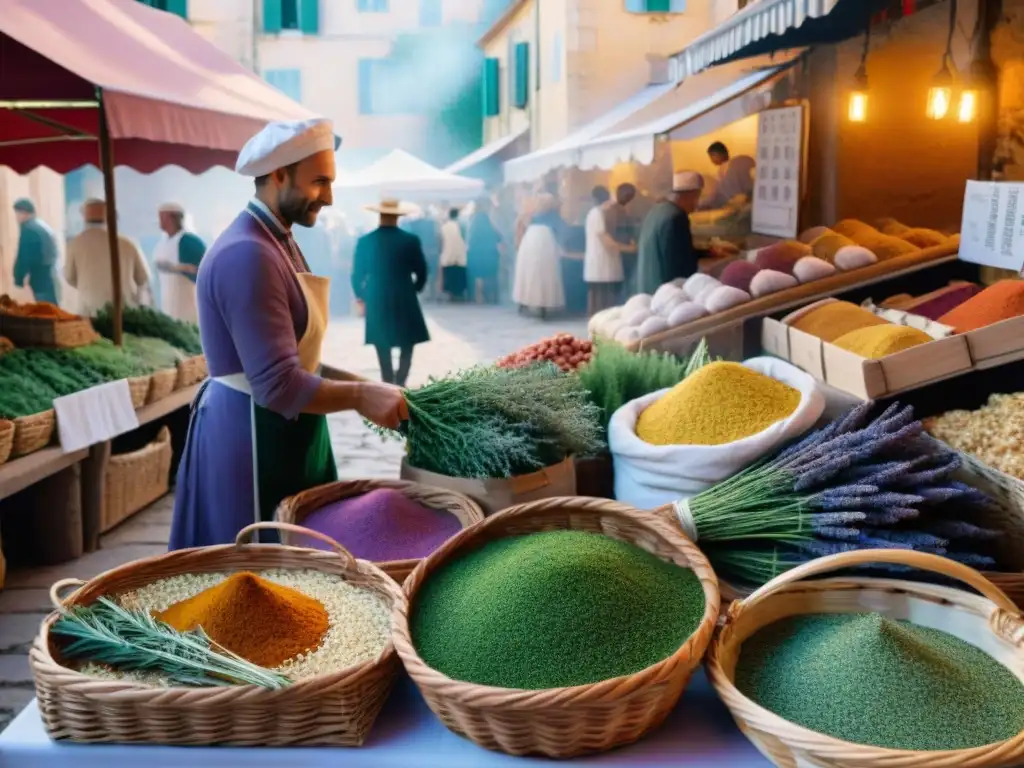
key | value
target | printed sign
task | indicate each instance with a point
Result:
(780, 152)
(992, 231)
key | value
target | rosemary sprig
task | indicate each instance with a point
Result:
(106, 633)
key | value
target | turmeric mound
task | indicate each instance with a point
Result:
(837, 318)
(881, 340)
(720, 403)
(262, 622)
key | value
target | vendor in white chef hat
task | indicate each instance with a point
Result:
(258, 431)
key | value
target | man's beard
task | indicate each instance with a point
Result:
(295, 209)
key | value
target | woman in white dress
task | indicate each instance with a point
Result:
(453, 258)
(538, 282)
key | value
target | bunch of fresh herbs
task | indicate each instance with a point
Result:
(143, 321)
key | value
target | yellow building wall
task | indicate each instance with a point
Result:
(550, 120)
(521, 28)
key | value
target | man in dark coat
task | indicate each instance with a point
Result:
(388, 272)
(36, 262)
(666, 243)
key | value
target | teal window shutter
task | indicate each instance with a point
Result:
(659, 6)
(522, 69)
(272, 16)
(309, 16)
(656, 6)
(491, 87)
(178, 7)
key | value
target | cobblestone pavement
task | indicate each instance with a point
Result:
(461, 336)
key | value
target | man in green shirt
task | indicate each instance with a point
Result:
(177, 256)
(36, 261)
(665, 246)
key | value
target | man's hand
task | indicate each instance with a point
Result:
(383, 404)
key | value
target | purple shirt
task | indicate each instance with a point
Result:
(251, 315)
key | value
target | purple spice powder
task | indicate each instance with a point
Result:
(935, 308)
(382, 525)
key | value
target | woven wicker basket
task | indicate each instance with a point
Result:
(330, 710)
(161, 385)
(563, 722)
(33, 433)
(296, 509)
(44, 332)
(191, 370)
(138, 388)
(6, 439)
(135, 480)
(990, 622)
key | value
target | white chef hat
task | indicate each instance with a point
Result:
(282, 143)
(687, 181)
(171, 208)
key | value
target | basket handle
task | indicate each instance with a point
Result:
(926, 562)
(55, 599)
(244, 534)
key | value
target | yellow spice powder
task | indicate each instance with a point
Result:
(825, 247)
(720, 403)
(881, 340)
(830, 321)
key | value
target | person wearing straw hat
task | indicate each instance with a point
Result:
(177, 257)
(665, 245)
(258, 429)
(388, 272)
(36, 262)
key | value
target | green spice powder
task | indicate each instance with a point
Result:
(554, 609)
(870, 680)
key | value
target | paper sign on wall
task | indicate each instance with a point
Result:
(992, 231)
(780, 152)
(94, 415)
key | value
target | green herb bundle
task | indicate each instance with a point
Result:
(23, 395)
(488, 422)
(155, 354)
(108, 360)
(143, 321)
(615, 376)
(106, 633)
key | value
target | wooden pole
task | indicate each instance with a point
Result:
(983, 73)
(107, 166)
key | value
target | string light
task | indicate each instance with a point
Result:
(858, 108)
(967, 110)
(940, 95)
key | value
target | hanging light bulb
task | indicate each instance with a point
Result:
(858, 109)
(967, 109)
(940, 95)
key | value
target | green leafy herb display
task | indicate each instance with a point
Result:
(488, 422)
(110, 361)
(154, 354)
(143, 321)
(23, 396)
(106, 633)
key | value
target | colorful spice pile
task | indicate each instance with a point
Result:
(998, 302)
(41, 310)
(922, 237)
(992, 433)
(382, 525)
(739, 274)
(878, 341)
(944, 301)
(256, 619)
(826, 246)
(867, 679)
(358, 619)
(489, 422)
(564, 350)
(720, 403)
(852, 485)
(782, 257)
(837, 318)
(554, 609)
(617, 376)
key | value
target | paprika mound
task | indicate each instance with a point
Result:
(880, 340)
(837, 318)
(720, 403)
(1000, 301)
(262, 622)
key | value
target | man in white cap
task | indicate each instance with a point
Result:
(258, 431)
(666, 244)
(177, 257)
(87, 267)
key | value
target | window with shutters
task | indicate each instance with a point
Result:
(372, 6)
(656, 6)
(177, 7)
(521, 72)
(288, 81)
(291, 15)
(491, 83)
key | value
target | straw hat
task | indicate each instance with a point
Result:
(390, 206)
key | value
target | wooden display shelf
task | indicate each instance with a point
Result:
(180, 399)
(19, 474)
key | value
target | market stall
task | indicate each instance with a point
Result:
(404, 176)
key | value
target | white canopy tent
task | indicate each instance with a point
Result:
(404, 176)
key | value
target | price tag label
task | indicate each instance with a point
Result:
(992, 231)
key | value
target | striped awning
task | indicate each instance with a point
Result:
(766, 26)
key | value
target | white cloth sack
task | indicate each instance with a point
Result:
(648, 476)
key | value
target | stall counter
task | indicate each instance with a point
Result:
(698, 734)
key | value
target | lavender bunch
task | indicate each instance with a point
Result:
(855, 484)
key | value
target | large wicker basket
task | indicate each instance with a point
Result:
(191, 370)
(296, 509)
(990, 621)
(6, 439)
(135, 480)
(33, 433)
(138, 388)
(563, 722)
(337, 709)
(47, 332)
(161, 384)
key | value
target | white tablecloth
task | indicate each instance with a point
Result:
(699, 734)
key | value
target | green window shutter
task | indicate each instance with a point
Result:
(659, 6)
(178, 7)
(491, 87)
(522, 68)
(309, 17)
(272, 16)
